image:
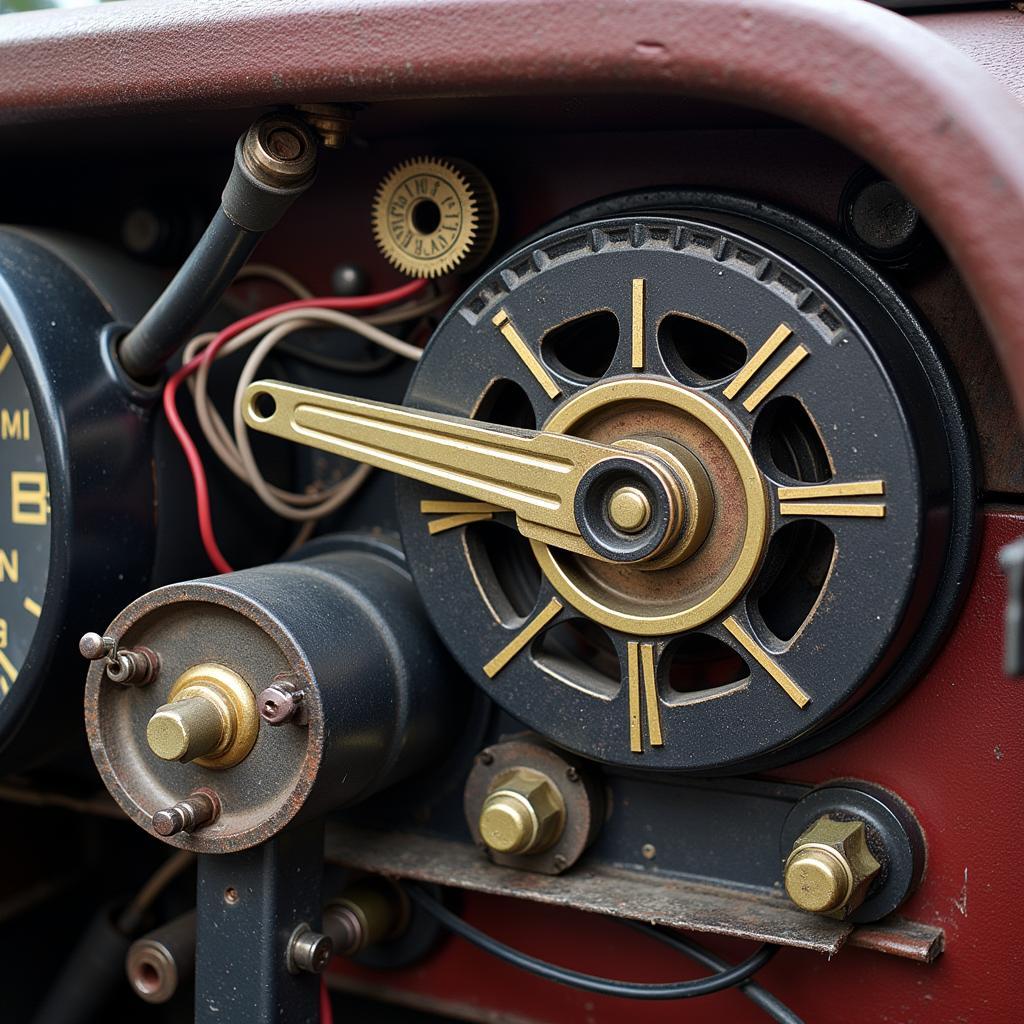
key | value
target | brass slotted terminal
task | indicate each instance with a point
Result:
(210, 719)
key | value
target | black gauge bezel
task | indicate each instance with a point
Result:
(96, 433)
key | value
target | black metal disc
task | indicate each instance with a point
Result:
(832, 406)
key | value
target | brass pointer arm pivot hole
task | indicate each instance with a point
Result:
(596, 500)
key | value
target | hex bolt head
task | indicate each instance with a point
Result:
(830, 868)
(308, 950)
(524, 813)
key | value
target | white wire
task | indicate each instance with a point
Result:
(235, 452)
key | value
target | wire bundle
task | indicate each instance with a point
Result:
(266, 330)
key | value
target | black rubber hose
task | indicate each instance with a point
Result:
(275, 162)
(195, 290)
(92, 972)
(589, 982)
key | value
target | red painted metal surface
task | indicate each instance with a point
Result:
(953, 748)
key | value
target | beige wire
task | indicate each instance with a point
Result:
(277, 275)
(235, 452)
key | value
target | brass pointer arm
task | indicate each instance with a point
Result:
(531, 473)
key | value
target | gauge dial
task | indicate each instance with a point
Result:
(814, 518)
(24, 521)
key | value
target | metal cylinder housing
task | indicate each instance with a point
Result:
(343, 625)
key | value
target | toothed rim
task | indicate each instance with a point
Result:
(474, 235)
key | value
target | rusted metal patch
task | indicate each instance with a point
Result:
(899, 937)
(642, 896)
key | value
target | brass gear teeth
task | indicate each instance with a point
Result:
(463, 203)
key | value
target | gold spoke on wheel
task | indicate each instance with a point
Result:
(760, 655)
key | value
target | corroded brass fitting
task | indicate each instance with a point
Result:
(830, 868)
(210, 719)
(524, 813)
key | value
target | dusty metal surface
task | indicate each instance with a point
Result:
(641, 896)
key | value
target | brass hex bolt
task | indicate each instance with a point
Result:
(830, 868)
(524, 813)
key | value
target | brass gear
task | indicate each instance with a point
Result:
(431, 216)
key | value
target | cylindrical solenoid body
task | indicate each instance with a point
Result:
(338, 632)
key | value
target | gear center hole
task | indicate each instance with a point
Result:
(426, 216)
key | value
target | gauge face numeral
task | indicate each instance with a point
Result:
(768, 383)
(504, 324)
(798, 501)
(30, 501)
(15, 425)
(10, 673)
(457, 513)
(639, 313)
(761, 656)
(640, 674)
(8, 565)
(522, 638)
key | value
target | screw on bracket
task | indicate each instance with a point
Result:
(308, 950)
(128, 666)
(281, 702)
(200, 808)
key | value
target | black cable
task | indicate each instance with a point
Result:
(589, 982)
(265, 180)
(760, 997)
(210, 268)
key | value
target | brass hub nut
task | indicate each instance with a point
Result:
(210, 719)
(830, 868)
(523, 813)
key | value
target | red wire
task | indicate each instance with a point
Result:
(326, 1012)
(195, 463)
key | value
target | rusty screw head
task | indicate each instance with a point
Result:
(200, 808)
(830, 868)
(279, 703)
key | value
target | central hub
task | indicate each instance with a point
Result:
(629, 509)
(690, 539)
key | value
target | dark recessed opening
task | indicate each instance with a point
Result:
(506, 569)
(426, 216)
(786, 435)
(583, 347)
(581, 653)
(148, 977)
(796, 569)
(505, 402)
(263, 405)
(700, 664)
(693, 349)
